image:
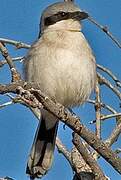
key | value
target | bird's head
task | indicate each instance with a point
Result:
(61, 15)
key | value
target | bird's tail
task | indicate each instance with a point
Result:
(41, 154)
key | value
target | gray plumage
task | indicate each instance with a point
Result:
(62, 63)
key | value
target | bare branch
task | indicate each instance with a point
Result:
(6, 104)
(3, 62)
(15, 75)
(112, 138)
(110, 116)
(118, 83)
(105, 117)
(83, 170)
(98, 111)
(73, 122)
(114, 135)
(105, 30)
(102, 80)
(17, 44)
(107, 107)
(88, 158)
(62, 149)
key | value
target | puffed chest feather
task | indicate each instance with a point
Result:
(63, 65)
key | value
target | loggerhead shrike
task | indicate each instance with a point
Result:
(62, 63)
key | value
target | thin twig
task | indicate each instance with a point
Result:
(102, 80)
(118, 83)
(110, 116)
(17, 44)
(6, 104)
(15, 75)
(62, 149)
(107, 107)
(114, 135)
(111, 139)
(98, 111)
(20, 59)
(105, 30)
(105, 117)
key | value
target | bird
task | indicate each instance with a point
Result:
(62, 63)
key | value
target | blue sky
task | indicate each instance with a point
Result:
(19, 20)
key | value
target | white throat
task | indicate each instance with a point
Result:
(67, 25)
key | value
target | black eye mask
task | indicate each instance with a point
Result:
(65, 15)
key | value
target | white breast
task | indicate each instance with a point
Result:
(63, 64)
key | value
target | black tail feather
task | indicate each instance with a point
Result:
(41, 155)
